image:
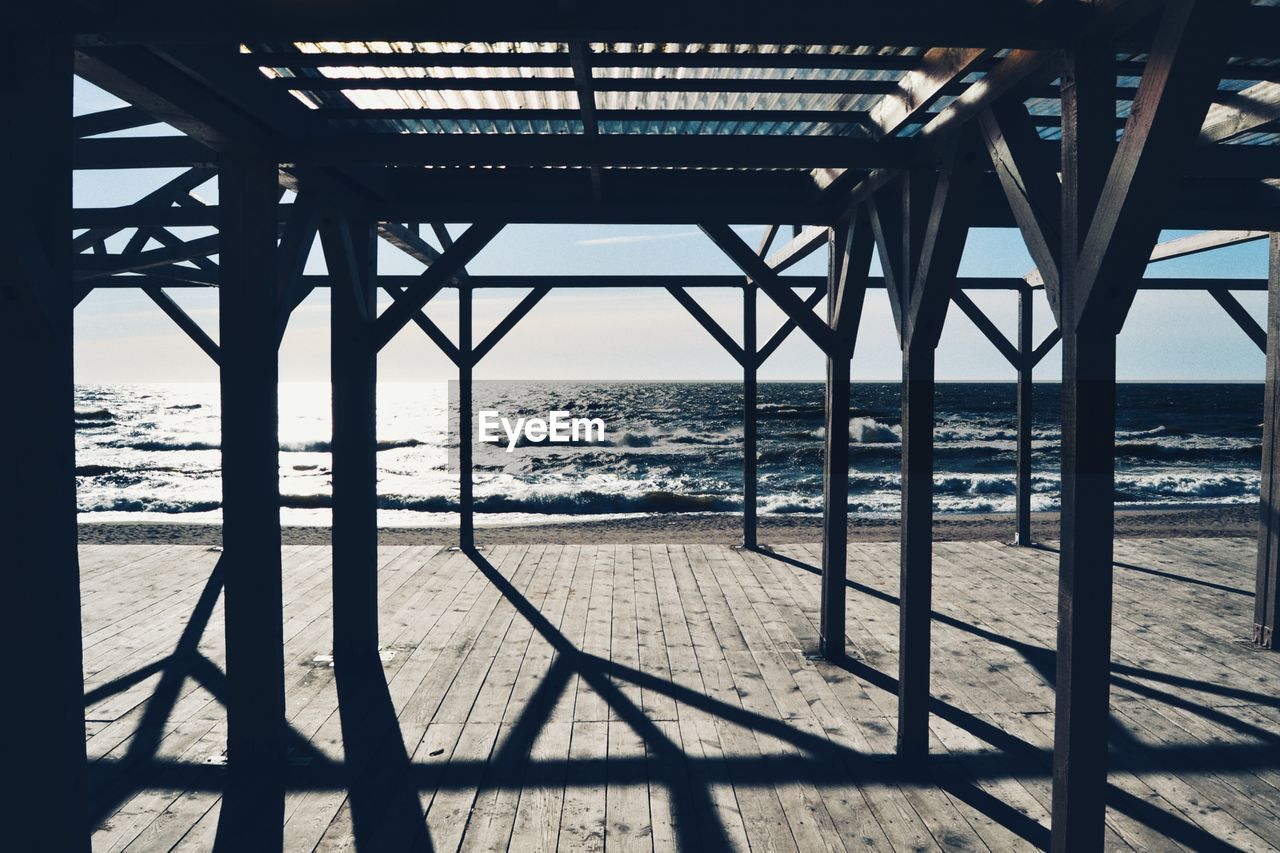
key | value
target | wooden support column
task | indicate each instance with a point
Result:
(916, 548)
(1113, 199)
(750, 418)
(253, 807)
(466, 426)
(1026, 366)
(850, 257)
(921, 233)
(349, 249)
(835, 496)
(40, 603)
(1267, 598)
(1088, 470)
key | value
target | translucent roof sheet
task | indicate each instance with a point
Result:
(635, 88)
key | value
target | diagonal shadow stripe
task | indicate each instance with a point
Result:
(1044, 659)
(145, 740)
(826, 762)
(124, 682)
(1160, 573)
(593, 670)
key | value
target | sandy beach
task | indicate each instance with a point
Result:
(715, 528)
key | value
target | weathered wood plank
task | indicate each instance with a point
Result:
(762, 747)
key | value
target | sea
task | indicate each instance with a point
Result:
(151, 452)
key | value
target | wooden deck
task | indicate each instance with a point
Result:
(660, 697)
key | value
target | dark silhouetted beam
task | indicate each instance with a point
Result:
(709, 323)
(425, 286)
(759, 271)
(514, 316)
(797, 59)
(1266, 602)
(47, 797)
(96, 266)
(944, 23)
(350, 255)
(183, 277)
(110, 121)
(253, 806)
(143, 152)
(1242, 317)
(988, 328)
(684, 151)
(1112, 211)
(183, 321)
(1026, 420)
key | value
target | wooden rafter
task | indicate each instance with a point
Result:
(1242, 112)
(1006, 23)
(584, 85)
(425, 286)
(1170, 109)
(759, 271)
(161, 199)
(295, 246)
(1031, 187)
(1241, 316)
(97, 266)
(988, 328)
(507, 323)
(709, 323)
(183, 321)
(109, 121)
(849, 279)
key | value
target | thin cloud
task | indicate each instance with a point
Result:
(645, 238)
(635, 238)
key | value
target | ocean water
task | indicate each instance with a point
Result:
(150, 452)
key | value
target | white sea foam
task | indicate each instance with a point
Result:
(152, 452)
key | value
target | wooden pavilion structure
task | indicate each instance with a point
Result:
(893, 128)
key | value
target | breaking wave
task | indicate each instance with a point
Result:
(669, 448)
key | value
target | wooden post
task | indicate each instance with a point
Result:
(916, 561)
(1088, 470)
(1026, 365)
(349, 247)
(466, 429)
(750, 422)
(835, 480)
(1114, 200)
(253, 807)
(835, 508)
(1084, 588)
(40, 604)
(934, 227)
(1267, 598)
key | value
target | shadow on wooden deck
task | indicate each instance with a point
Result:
(383, 783)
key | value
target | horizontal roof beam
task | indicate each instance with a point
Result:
(937, 23)
(614, 282)
(613, 59)
(607, 150)
(630, 116)
(661, 59)
(688, 150)
(673, 197)
(905, 22)
(764, 85)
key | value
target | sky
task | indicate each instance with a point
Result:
(121, 337)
